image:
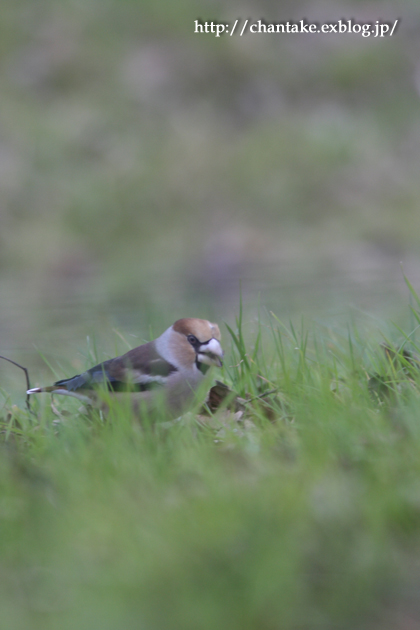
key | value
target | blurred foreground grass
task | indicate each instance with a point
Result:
(303, 513)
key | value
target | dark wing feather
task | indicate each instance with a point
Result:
(139, 369)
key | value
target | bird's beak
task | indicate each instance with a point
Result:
(211, 353)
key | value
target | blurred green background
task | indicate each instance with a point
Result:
(147, 172)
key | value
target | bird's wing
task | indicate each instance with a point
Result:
(140, 369)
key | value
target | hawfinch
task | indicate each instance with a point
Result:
(174, 363)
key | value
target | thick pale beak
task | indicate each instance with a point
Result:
(211, 353)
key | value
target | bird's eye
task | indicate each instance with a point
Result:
(192, 339)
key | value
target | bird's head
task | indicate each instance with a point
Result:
(192, 341)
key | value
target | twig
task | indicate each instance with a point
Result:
(28, 385)
(263, 395)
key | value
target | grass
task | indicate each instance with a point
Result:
(303, 513)
(134, 156)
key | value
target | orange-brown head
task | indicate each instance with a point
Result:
(189, 341)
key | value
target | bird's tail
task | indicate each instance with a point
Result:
(59, 389)
(39, 390)
(66, 384)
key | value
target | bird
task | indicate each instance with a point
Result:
(174, 364)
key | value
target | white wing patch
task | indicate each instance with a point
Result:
(142, 378)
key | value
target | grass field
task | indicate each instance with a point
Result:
(146, 174)
(304, 512)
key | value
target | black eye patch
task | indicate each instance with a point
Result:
(195, 342)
